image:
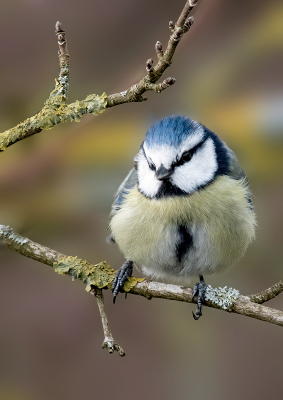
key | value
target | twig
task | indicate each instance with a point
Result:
(242, 305)
(28, 248)
(55, 109)
(267, 294)
(47, 256)
(63, 59)
(135, 92)
(186, 11)
(109, 342)
(61, 39)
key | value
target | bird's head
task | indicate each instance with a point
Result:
(178, 157)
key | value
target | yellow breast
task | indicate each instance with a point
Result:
(219, 213)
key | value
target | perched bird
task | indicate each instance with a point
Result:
(184, 210)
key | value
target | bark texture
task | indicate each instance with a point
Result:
(267, 294)
(242, 305)
(55, 109)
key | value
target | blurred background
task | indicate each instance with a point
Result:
(57, 188)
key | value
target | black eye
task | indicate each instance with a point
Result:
(187, 156)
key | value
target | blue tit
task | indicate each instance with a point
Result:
(184, 210)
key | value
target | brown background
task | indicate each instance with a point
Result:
(57, 188)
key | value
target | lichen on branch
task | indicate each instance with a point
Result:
(100, 275)
(223, 297)
(55, 109)
(53, 112)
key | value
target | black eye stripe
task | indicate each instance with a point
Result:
(187, 155)
(149, 161)
(151, 165)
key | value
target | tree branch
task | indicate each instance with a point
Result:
(108, 343)
(186, 11)
(64, 61)
(102, 277)
(55, 109)
(135, 92)
(267, 294)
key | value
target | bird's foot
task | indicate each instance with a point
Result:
(122, 275)
(199, 290)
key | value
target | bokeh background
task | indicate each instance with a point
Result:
(57, 188)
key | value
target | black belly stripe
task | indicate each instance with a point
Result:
(185, 242)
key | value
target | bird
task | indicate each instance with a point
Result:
(184, 210)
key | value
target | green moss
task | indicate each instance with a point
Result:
(99, 275)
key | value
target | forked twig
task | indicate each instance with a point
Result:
(55, 109)
(241, 305)
(108, 342)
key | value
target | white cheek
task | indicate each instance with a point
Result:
(197, 172)
(148, 184)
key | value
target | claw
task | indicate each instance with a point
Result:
(199, 289)
(122, 275)
(198, 313)
(196, 317)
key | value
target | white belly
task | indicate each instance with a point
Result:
(217, 217)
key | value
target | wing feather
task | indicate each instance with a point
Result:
(128, 183)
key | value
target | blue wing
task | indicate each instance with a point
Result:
(129, 182)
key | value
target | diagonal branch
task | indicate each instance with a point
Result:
(148, 82)
(104, 277)
(55, 109)
(186, 11)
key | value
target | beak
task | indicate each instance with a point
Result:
(162, 173)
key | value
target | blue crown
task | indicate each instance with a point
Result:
(171, 131)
